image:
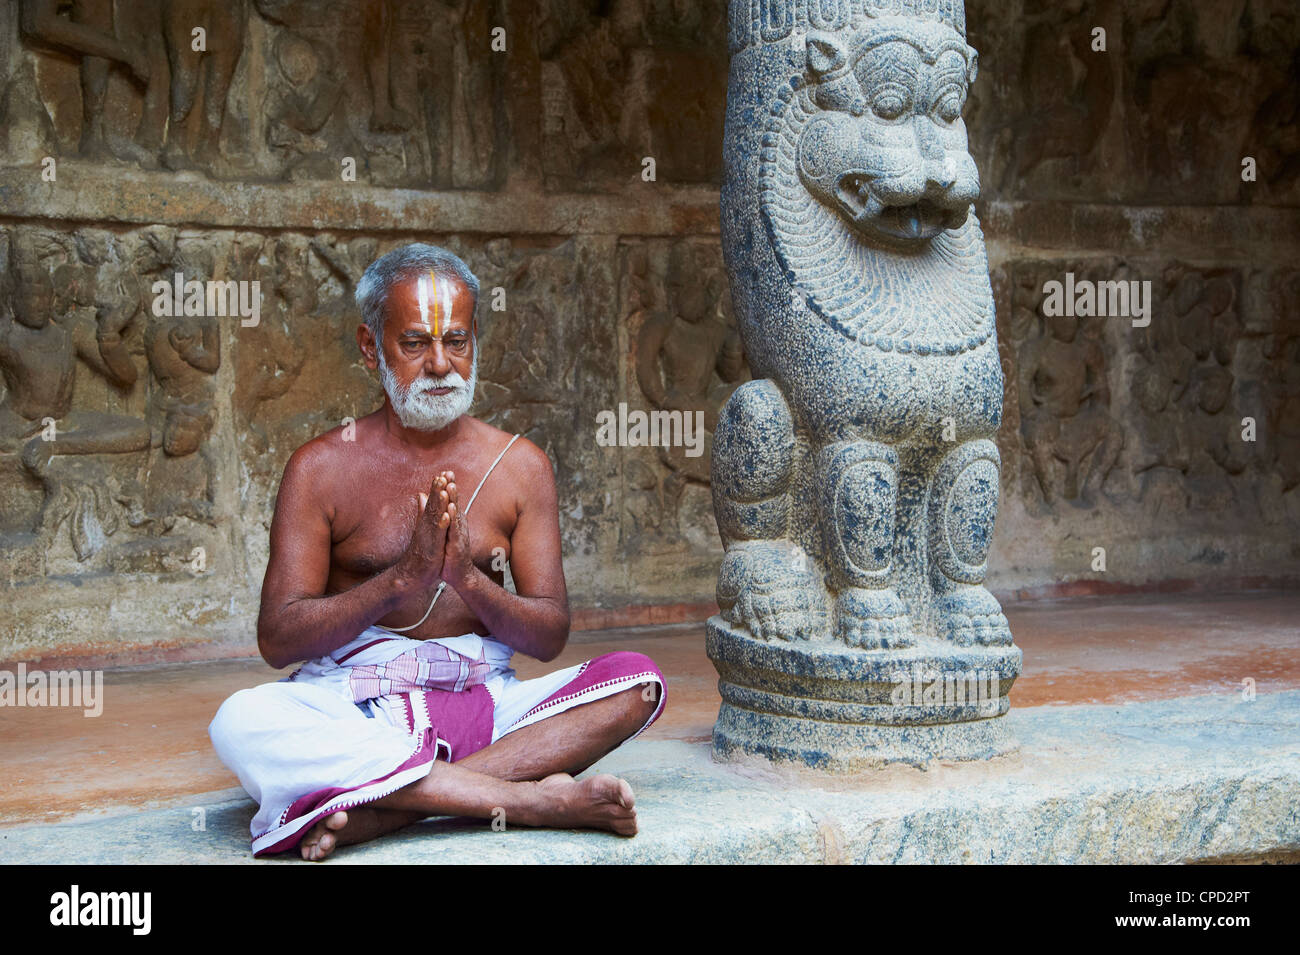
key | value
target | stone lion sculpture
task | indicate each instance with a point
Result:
(855, 479)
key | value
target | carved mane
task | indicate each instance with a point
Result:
(934, 300)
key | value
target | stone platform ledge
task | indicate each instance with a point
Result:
(1183, 780)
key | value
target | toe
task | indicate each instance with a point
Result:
(311, 846)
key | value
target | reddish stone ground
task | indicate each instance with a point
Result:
(150, 745)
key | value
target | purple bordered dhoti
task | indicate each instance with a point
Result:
(368, 719)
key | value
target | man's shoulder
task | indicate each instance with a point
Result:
(523, 456)
(526, 463)
(324, 453)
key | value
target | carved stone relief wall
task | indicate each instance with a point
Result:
(300, 139)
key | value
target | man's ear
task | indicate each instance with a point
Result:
(366, 343)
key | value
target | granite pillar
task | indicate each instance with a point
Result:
(855, 479)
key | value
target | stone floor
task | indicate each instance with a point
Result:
(149, 752)
(1191, 779)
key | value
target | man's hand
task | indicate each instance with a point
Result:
(421, 564)
(458, 560)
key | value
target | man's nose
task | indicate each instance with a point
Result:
(437, 362)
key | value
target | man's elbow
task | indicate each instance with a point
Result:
(274, 656)
(272, 659)
(557, 640)
(549, 653)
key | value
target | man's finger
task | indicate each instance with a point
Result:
(424, 500)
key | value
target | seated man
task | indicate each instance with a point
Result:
(382, 579)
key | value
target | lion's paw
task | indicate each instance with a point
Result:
(872, 619)
(771, 589)
(973, 617)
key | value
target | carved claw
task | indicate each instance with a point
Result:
(771, 591)
(973, 617)
(791, 614)
(873, 619)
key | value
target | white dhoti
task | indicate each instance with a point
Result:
(363, 722)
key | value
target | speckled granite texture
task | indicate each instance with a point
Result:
(855, 478)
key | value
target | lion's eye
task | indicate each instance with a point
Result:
(890, 101)
(949, 87)
(949, 104)
(889, 74)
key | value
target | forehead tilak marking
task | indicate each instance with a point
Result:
(422, 295)
(444, 289)
(433, 282)
(440, 295)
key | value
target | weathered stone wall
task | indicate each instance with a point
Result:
(145, 520)
(1128, 164)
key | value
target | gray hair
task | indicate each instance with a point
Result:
(396, 267)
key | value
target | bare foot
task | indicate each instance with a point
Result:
(601, 802)
(323, 837)
(348, 828)
(559, 801)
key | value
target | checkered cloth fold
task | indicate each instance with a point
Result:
(430, 666)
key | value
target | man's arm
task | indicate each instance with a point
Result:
(535, 620)
(296, 622)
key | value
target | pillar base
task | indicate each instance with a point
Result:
(843, 710)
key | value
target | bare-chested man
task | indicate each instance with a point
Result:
(386, 581)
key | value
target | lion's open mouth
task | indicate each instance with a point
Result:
(921, 220)
(918, 221)
(854, 192)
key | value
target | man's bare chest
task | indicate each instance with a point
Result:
(372, 526)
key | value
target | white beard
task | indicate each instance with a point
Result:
(421, 411)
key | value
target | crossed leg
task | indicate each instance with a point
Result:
(527, 774)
